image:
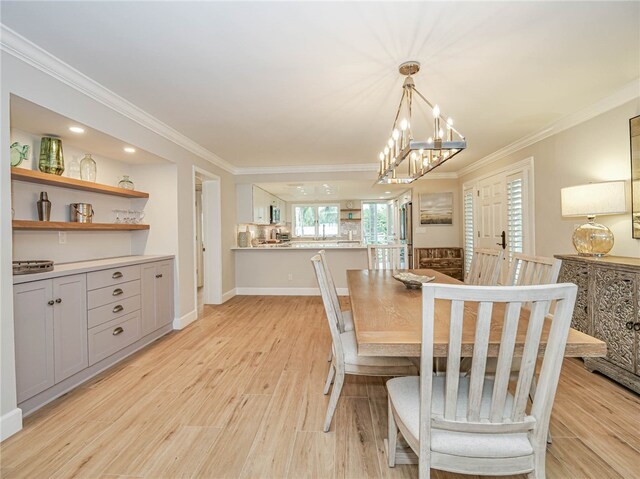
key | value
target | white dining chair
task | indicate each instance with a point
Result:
(485, 267)
(345, 352)
(474, 424)
(387, 256)
(527, 270)
(345, 319)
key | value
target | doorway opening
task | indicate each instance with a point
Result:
(207, 240)
(377, 222)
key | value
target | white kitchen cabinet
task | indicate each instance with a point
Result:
(69, 325)
(253, 205)
(33, 325)
(157, 295)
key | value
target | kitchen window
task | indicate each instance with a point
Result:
(377, 222)
(316, 221)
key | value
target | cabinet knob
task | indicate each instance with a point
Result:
(117, 292)
(118, 308)
(59, 300)
(117, 331)
(629, 325)
(116, 275)
(636, 326)
(158, 275)
(50, 302)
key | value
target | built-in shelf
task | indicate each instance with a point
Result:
(350, 209)
(350, 219)
(67, 225)
(32, 176)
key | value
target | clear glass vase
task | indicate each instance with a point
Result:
(88, 168)
(126, 183)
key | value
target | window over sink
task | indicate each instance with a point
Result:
(316, 221)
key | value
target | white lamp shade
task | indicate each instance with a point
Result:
(594, 199)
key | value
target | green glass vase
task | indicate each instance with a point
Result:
(51, 157)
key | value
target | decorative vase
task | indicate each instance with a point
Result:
(18, 153)
(88, 168)
(73, 169)
(51, 156)
(126, 183)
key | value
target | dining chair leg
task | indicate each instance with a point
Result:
(392, 436)
(327, 385)
(330, 355)
(333, 402)
(538, 465)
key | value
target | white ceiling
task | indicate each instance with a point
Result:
(333, 190)
(40, 121)
(315, 83)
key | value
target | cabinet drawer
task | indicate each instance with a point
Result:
(113, 310)
(111, 337)
(100, 297)
(109, 277)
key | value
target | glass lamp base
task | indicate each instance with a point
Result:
(592, 239)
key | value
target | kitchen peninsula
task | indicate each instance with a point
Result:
(286, 270)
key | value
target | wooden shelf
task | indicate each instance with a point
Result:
(69, 226)
(32, 176)
(350, 219)
(350, 209)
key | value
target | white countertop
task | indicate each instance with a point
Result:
(66, 269)
(303, 246)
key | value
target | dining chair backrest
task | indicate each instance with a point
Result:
(485, 267)
(332, 291)
(329, 308)
(486, 305)
(387, 256)
(528, 270)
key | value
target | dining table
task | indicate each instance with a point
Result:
(387, 319)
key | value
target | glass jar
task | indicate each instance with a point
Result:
(126, 183)
(88, 168)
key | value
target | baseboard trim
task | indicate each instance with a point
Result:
(186, 320)
(241, 291)
(228, 295)
(10, 423)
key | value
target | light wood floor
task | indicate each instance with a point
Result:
(239, 394)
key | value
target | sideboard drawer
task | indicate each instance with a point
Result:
(100, 297)
(109, 277)
(114, 310)
(111, 337)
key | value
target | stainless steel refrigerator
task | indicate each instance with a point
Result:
(406, 230)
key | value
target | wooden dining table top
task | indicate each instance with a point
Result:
(388, 320)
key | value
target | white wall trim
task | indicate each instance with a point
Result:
(10, 423)
(625, 94)
(186, 320)
(228, 295)
(278, 170)
(30, 53)
(242, 291)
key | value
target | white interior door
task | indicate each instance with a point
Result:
(492, 216)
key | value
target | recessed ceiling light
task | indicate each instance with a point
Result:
(128, 149)
(76, 129)
(387, 192)
(382, 198)
(325, 185)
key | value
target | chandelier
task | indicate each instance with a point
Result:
(423, 155)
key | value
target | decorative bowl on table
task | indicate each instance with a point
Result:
(412, 281)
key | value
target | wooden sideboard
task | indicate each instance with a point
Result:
(449, 261)
(608, 307)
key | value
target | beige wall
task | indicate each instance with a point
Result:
(261, 271)
(436, 235)
(596, 150)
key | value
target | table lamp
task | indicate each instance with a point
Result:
(593, 239)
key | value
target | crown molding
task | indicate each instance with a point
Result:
(23, 49)
(627, 93)
(279, 170)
